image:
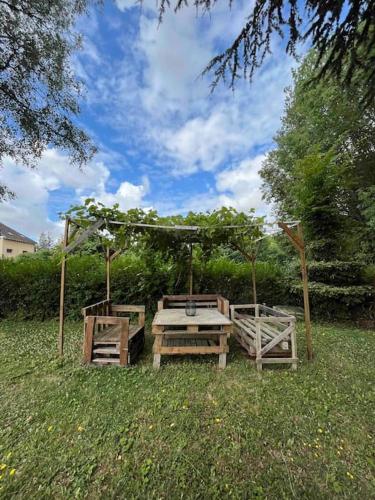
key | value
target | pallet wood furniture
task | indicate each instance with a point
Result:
(110, 338)
(78, 231)
(205, 333)
(268, 335)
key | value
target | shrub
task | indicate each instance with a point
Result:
(233, 281)
(337, 302)
(337, 272)
(31, 286)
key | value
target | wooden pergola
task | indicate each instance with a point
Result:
(78, 235)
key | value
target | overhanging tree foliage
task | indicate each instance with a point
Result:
(342, 32)
(38, 90)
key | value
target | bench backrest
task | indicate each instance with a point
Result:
(238, 311)
(214, 301)
(106, 308)
(99, 309)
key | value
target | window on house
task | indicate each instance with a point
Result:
(9, 250)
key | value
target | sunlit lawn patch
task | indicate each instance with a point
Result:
(188, 430)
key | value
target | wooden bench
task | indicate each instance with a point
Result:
(210, 301)
(111, 338)
(268, 335)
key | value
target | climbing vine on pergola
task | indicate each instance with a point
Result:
(174, 236)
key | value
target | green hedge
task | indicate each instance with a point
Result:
(233, 280)
(337, 302)
(29, 285)
(337, 273)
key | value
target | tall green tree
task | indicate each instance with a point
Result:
(39, 94)
(323, 163)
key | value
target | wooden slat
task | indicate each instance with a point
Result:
(273, 312)
(223, 354)
(277, 360)
(111, 335)
(83, 236)
(115, 254)
(106, 361)
(294, 238)
(127, 308)
(124, 342)
(199, 335)
(141, 319)
(208, 297)
(89, 335)
(94, 306)
(192, 350)
(253, 324)
(270, 319)
(108, 320)
(106, 350)
(267, 331)
(198, 304)
(276, 340)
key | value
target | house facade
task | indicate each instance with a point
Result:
(13, 243)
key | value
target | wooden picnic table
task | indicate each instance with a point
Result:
(205, 333)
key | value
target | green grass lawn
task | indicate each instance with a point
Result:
(189, 430)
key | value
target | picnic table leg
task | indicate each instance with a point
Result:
(157, 345)
(223, 355)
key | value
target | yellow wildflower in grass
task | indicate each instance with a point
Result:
(320, 430)
(50, 428)
(218, 420)
(150, 427)
(350, 476)
(80, 428)
(12, 472)
(3, 466)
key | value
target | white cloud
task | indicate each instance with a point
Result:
(126, 4)
(237, 187)
(127, 196)
(56, 183)
(175, 55)
(240, 186)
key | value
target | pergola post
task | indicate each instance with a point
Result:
(306, 301)
(108, 270)
(298, 243)
(62, 289)
(191, 270)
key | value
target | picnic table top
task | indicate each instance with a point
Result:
(177, 317)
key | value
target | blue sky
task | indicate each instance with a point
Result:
(164, 141)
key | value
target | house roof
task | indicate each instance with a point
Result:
(11, 234)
